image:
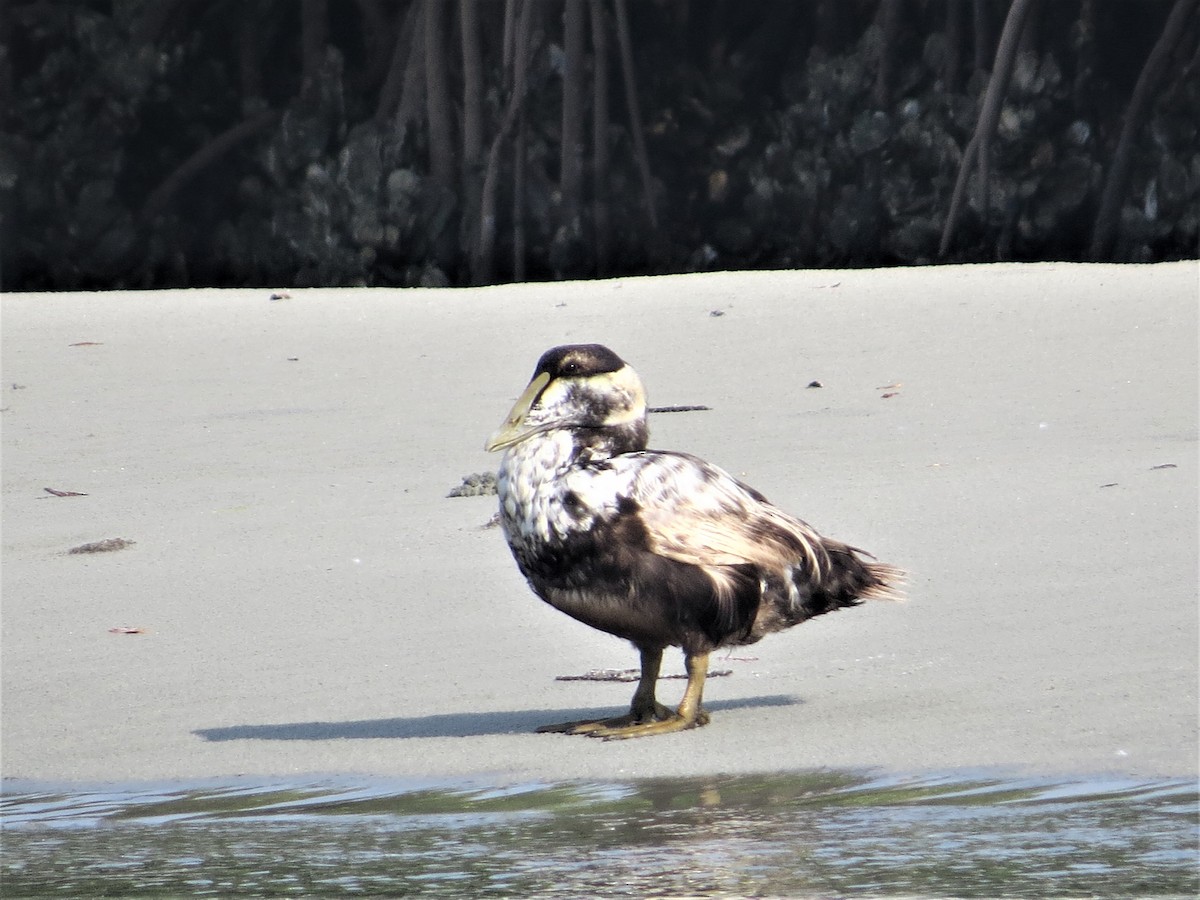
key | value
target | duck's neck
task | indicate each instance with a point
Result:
(552, 451)
(530, 468)
(601, 443)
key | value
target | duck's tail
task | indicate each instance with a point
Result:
(850, 577)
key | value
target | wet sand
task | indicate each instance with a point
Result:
(301, 597)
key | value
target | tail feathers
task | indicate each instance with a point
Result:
(849, 580)
(850, 577)
(887, 582)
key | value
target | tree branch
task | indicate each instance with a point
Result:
(483, 257)
(889, 18)
(635, 116)
(571, 150)
(437, 94)
(1104, 233)
(600, 135)
(989, 115)
(472, 69)
(404, 78)
(314, 30)
(160, 197)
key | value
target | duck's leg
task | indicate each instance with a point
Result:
(645, 707)
(690, 714)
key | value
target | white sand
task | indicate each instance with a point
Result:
(313, 603)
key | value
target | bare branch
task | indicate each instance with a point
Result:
(890, 15)
(635, 116)
(989, 115)
(160, 197)
(600, 135)
(483, 256)
(472, 67)
(314, 31)
(437, 94)
(1104, 234)
(404, 79)
(571, 166)
(983, 34)
(954, 41)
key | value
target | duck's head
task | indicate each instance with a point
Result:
(585, 387)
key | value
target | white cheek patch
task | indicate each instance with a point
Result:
(547, 408)
(604, 399)
(626, 387)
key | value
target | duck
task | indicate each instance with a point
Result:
(657, 547)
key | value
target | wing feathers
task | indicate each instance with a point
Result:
(728, 565)
(696, 513)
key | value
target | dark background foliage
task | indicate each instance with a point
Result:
(170, 143)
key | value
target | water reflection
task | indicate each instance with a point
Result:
(782, 835)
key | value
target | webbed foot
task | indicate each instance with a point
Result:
(647, 716)
(631, 719)
(671, 724)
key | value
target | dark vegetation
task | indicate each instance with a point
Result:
(156, 143)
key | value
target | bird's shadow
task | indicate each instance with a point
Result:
(445, 724)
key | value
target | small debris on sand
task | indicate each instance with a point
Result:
(630, 675)
(105, 546)
(478, 485)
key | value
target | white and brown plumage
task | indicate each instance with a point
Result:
(660, 548)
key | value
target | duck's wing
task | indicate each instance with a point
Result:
(694, 512)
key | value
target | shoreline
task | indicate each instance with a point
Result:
(302, 597)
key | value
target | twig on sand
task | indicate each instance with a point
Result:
(630, 675)
(105, 546)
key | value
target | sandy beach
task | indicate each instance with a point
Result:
(302, 597)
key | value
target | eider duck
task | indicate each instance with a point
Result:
(660, 548)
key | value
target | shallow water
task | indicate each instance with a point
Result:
(794, 835)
